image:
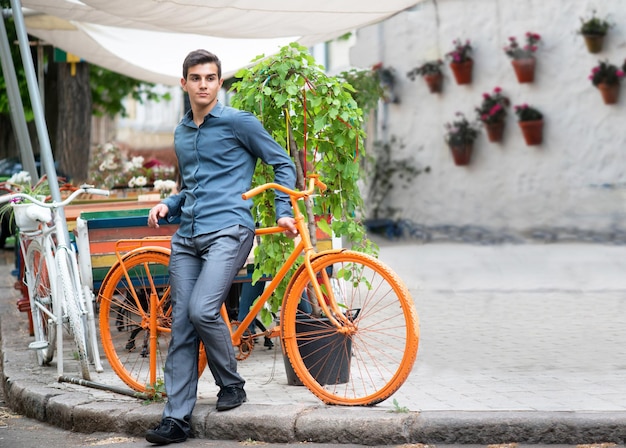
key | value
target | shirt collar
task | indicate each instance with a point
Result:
(215, 112)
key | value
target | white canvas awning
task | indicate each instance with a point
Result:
(148, 39)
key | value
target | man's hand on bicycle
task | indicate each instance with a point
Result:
(157, 212)
(289, 224)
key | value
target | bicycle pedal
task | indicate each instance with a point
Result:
(38, 345)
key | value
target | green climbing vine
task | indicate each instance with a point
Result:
(316, 118)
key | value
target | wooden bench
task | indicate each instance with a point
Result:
(98, 232)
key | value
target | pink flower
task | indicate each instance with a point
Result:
(619, 73)
(497, 90)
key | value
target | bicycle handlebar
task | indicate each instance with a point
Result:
(313, 182)
(81, 190)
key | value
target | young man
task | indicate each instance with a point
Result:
(217, 149)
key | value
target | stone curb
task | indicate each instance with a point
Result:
(34, 394)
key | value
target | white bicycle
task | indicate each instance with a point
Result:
(58, 298)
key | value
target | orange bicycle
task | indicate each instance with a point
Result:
(347, 322)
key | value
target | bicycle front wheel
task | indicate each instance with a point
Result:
(72, 292)
(129, 293)
(40, 278)
(365, 357)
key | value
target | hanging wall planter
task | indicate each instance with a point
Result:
(594, 29)
(495, 131)
(492, 112)
(431, 72)
(461, 62)
(460, 137)
(607, 78)
(461, 153)
(434, 82)
(610, 92)
(531, 124)
(594, 42)
(524, 69)
(523, 57)
(462, 71)
(532, 132)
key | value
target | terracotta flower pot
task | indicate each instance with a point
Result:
(462, 71)
(434, 82)
(594, 42)
(495, 131)
(532, 131)
(461, 153)
(524, 69)
(610, 92)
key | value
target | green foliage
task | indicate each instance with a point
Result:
(399, 409)
(109, 89)
(155, 392)
(594, 25)
(366, 88)
(427, 68)
(305, 109)
(19, 71)
(386, 174)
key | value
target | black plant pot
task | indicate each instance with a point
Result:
(324, 357)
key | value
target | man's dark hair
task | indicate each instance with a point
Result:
(201, 57)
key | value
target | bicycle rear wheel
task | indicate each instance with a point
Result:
(72, 292)
(365, 359)
(40, 278)
(126, 297)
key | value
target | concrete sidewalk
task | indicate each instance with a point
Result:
(519, 343)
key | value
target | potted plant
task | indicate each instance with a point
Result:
(492, 113)
(607, 77)
(523, 57)
(531, 123)
(594, 29)
(21, 183)
(316, 118)
(460, 136)
(461, 62)
(432, 74)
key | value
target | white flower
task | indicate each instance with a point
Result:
(128, 166)
(21, 178)
(165, 187)
(137, 162)
(137, 181)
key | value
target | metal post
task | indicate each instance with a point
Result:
(47, 159)
(16, 107)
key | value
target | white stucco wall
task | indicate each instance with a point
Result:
(509, 185)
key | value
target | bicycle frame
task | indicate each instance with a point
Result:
(54, 242)
(303, 247)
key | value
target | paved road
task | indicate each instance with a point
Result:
(521, 343)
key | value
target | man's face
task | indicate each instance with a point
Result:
(202, 84)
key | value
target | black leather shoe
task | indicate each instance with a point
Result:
(230, 397)
(168, 431)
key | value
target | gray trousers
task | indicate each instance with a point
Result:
(201, 270)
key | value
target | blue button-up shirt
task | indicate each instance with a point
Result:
(216, 162)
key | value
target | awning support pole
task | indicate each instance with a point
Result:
(18, 118)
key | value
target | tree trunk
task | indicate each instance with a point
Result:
(73, 127)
